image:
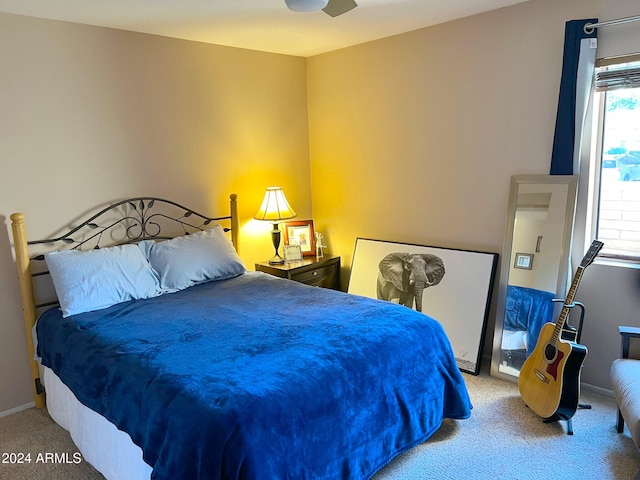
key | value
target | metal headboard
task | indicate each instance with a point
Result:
(127, 221)
(139, 222)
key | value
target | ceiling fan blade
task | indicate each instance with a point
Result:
(338, 7)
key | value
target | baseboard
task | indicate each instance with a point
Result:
(11, 411)
(594, 388)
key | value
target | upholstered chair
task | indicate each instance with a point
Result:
(625, 382)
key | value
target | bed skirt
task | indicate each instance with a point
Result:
(107, 449)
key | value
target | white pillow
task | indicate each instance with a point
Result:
(200, 257)
(97, 279)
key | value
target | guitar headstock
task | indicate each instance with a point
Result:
(592, 253)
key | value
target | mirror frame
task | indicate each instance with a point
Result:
(505, 261)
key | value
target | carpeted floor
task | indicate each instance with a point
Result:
(503, 439)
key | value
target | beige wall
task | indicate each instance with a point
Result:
(412, 138)
(433, 123)
(90, 115)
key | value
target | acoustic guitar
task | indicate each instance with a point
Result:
(549, 381)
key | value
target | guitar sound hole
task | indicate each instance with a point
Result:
(549, 352)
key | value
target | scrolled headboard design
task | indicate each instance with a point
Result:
(141, 218)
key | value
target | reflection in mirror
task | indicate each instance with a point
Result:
(534, 265)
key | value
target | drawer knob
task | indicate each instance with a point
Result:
(315, 274)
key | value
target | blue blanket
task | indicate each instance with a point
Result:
(260, 378)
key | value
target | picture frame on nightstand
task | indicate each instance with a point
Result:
(301, 233)
(292, 253)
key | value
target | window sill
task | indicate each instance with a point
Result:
(618, 262)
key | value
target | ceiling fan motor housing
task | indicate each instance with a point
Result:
(306, 5)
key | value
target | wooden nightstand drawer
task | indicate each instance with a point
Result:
(313, 276)
(318, 272)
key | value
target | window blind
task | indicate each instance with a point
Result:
(616, 76)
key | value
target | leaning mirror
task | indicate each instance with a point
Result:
(534, 265)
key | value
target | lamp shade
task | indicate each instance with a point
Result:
(306, 5)
(274, 206)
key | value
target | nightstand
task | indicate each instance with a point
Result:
(318, 272)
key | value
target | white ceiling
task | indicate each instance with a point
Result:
(265, 25)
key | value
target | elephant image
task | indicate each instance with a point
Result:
(404, 276)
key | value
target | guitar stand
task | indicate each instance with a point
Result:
(573, 334)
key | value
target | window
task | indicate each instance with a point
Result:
(617, 219)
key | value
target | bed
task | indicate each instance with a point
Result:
(166, 359)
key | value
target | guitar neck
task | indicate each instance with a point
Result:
(591, 254)
(567, 305)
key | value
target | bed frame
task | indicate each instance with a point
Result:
(127, 221)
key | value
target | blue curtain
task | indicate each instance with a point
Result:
(575, 88)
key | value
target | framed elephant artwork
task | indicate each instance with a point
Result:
(452, 286)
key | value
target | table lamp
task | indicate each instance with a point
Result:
(275, 208)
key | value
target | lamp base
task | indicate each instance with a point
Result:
(276, 260)
(275, 238)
